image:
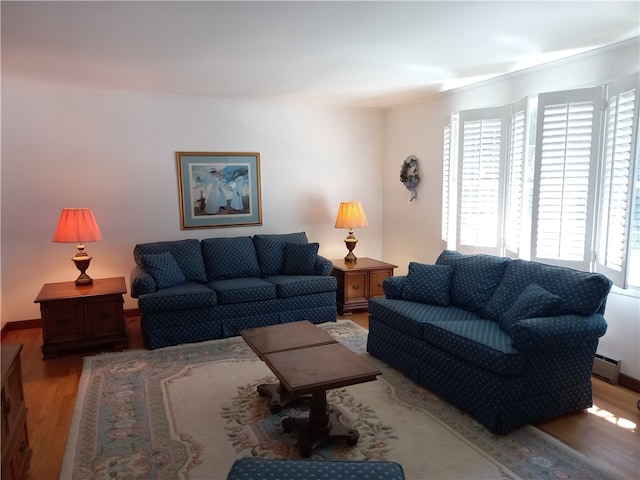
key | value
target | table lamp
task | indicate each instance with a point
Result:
(351, 215)
(78, 225)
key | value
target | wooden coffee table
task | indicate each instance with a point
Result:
(277, 338)
(309, 371)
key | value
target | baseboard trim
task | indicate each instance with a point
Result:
(37, 322)
(629, 382)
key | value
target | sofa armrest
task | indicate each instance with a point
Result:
(141, 282)
(324, 266)
(393, 286)
(557, 333)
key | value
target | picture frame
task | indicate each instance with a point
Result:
(219, 189)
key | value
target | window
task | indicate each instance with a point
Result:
(617, 183)
(565, 177)
(482, 149)
(561, 194)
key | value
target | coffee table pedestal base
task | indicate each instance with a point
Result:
(278, 396)
(322, 425)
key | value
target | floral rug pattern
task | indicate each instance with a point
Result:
(248, 412)
(121, 428)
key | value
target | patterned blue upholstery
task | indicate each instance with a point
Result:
(428, 284)
(241, 290)
(226, 291)
(186, 252)
(226, 258)
(180, 297)
(582, 293)
(270, 250)
(394, 286)
(276, 469)
(164, 269)
(475, 278)
(533, 302)
(300, 259)
(505, 375)
(294, 285)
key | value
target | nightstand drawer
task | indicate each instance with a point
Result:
(104, 316)
(377, 277)
(62, 320)
(356, 286)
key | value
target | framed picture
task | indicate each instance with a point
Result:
(219, 189)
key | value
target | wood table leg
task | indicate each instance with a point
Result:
(322, 425)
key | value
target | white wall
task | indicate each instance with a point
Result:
(115, 153)
(412, 230)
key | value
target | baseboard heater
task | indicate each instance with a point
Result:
(606, 369)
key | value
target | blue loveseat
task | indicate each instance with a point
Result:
(510, 342)
(191, 290)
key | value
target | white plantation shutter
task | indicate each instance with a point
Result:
(619, 151)
(565, 172)
(446, 161)
(516, 155)
(480, 203)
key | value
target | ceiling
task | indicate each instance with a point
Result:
(356, 54)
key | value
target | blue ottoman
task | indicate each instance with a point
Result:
(275, 469)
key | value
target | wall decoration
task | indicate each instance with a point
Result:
(219, 189)
(410, 176)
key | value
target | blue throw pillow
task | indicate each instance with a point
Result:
(270, 250)
(533, 302)
(475, 278)
(300, 259)
(164, 269)
(428, 284)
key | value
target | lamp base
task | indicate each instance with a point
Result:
(82, 263)
(350, 242)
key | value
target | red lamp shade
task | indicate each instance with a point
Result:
(78, 225)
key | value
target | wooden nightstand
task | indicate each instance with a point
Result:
(16, 452)
(82, 317)
(358, 282)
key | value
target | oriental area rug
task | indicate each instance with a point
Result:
(188, 412)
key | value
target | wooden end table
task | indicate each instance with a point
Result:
(358, 282)
(78, 317)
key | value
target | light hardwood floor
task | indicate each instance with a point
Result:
(610, 435)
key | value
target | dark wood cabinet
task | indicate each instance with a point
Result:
(82, 316)
(358, 282)
(16, 452)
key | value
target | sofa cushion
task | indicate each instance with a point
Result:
(582, 293)
(410, 317)
(270, 250)
(226, 258)
(300, 258)
(428, 284)
(181, 297)
(186, 252)
(533, 302)
(164, 269)
(476, 340)
(294, 285)
(475, 278)
(241, 290)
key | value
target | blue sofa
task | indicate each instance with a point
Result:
(254, 468)
(191, 290)
(510, 342)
